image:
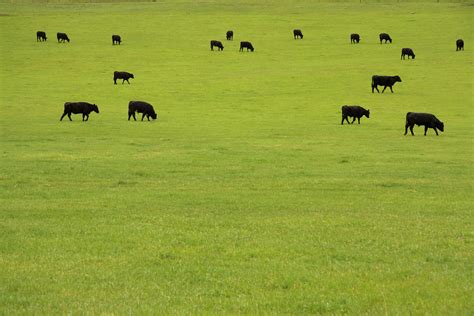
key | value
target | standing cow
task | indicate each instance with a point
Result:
(297, 34)
(141, 107)
(408, 52)
(62, 37)
(217, 44)
(246, 45)
(116, 39)
(83, 108)
(354, 111)
(425, 119)
(459, 44)
(386, 81)
(229, 35)
(355, 38)
(41, 36)
(122, 75)
(385, 37)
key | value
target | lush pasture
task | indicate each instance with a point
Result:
(246, 195)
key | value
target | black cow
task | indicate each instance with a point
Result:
(409, 52)
(41, 36)
(141, 107)
(217, 44)
(77, 108)
(355, 38)
(354, 111)
(229, 35)
(62, 37)
(384, 36)
(386, 81)
(425, 119)
(247, 45)
(116, 39)
(297, 34)
(459, 44)
(122, 75)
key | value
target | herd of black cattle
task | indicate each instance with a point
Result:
(356, 112)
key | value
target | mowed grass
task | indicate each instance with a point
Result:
(246, 195)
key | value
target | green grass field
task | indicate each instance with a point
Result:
(246, 195)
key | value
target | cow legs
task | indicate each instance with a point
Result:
(69, 115)
(406, 128)
(358, 120)
(436, 131)
(376, 88)
(343, 118)
(411, 130)
(148, 117)
(391, 89)
(64, 114)
(143, 116)
(115, 81)
(426, 129)
(353, 120)
(385, 87)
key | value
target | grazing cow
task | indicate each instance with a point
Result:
(297, 34)
(354, 111)
(217, 44)
(386, 81)
(41, 36)
(229, 35)
(355, 38)
(425, 119)
(247, 45)
(62, 37)
(116, 39)
(386, 37)
(459, 44)
(141, 107)
(409, 52)
(77, 108)
(122, 75)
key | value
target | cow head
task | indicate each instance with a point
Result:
(413, 56)
(153, 115)
(131, 76)
(397, 78)
(367, 113)
(95, 108)
(440, 126)
(251, 48)
(390, 40)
